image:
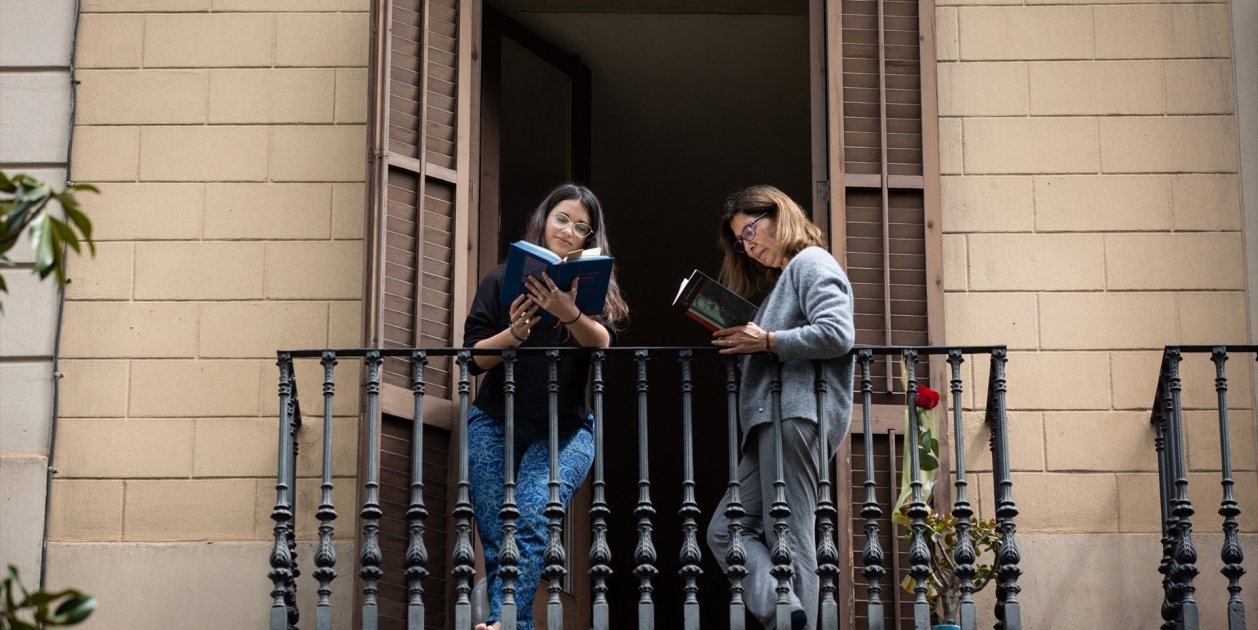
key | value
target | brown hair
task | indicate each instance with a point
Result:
(793, 232)
(615, 309)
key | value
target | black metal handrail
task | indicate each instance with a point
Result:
(1180, 609)
(284, 563)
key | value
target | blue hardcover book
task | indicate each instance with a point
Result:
(526, 259)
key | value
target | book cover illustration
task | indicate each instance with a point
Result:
(526, 259)
(712, 304)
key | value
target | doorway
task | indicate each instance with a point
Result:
(686, 106)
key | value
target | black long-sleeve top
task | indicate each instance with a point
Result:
(487, 317)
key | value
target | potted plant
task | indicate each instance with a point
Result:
(944, 588)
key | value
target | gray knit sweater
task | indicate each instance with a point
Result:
(809, 312)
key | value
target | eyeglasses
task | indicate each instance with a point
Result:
(748, 233)
(562, 220)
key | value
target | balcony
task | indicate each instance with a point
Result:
(645, 565)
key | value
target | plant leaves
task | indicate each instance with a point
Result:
(75, 609)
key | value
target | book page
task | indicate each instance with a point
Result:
(680, 289)
(593, 251)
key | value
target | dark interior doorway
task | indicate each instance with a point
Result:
(685, 108)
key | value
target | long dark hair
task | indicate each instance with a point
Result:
(615, 309)
(793, 232)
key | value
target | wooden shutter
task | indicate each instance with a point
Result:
(419, 206)
(882, 170)
(887, 173)
(418, 184)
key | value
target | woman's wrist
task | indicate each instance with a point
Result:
(518, 338)
(573, 320)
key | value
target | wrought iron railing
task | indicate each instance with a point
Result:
(284, 561)
(1180, 607)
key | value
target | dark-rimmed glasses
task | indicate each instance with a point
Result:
(580, 228)
(748, 233)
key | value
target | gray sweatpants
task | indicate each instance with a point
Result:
(756, 474)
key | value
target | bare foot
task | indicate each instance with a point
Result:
(493, 626)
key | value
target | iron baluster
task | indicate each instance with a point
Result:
(600, 550)
(690, 554)
(282, 514)
(416, 550)
(964, 555)
(463, 556)
(919, 551)
(779, 511)
(644, 552)
(1185, 551)
(508, 550)
(370, 557)
(825, 512)
(871, 555)
(1231, 554)
(325, 555)
(290, 594)
(554, 570)
(1009, 611)
(736, 556)
(1161, 418)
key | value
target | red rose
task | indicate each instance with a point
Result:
(927, 398)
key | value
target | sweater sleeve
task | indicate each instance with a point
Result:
(825, 299)
(487, 315)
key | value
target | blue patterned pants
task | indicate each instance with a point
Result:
(486, 443)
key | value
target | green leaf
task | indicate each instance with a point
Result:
(45, 253)
(928, 462)
(39, 191)
(81, 221)
(75, 609)
(64, 234)
(12, 221)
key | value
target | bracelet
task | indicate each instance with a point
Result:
(574, 319)
(517, 337)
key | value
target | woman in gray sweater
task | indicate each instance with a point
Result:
(773, 251)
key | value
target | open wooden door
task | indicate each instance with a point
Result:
(535, 134)
(420, 261)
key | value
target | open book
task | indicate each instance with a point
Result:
(527, 259)
(712, 304)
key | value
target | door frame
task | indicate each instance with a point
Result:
(489, 104)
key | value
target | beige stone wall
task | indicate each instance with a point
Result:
(35, 45)
(228, 139)
(1092, 214)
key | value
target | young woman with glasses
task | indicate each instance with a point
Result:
(569, 219)
(772, 251)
